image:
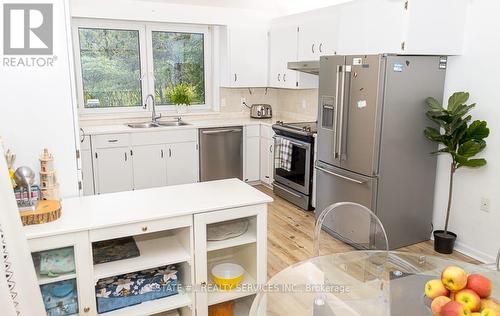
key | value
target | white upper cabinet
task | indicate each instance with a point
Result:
(318, 35)
(283, 39)
(424, 27)
(417, 27)
(245, 64)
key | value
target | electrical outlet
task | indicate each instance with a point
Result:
(485, 205)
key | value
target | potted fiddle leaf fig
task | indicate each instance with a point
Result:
(181, 95)
(460, 139)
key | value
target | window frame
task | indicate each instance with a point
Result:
(145, 30)
(207, 58)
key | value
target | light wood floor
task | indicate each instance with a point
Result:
(290, 232)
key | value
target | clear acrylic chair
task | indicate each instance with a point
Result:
(352, 224)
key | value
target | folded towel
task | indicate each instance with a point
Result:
(284, 156)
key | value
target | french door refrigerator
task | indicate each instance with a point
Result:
(371, 146)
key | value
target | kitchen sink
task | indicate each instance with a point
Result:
(143, 125)
(173, 123)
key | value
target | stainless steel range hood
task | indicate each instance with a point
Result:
(310, 67)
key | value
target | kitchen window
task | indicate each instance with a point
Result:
(119, 63)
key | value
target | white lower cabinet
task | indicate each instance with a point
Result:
(252, 156)
(248, 250)
(124, 162)
(179, 241)
(113, 170)
(149, 166)
(182, 163)
(267, 155)
(74, 276)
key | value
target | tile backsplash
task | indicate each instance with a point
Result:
(292, 104)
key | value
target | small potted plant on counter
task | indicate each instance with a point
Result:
(181, 95)
(460, 139)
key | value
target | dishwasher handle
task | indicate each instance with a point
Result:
(220, 131)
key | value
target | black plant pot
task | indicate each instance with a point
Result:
(444, 243)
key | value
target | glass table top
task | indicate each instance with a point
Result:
(358, 283)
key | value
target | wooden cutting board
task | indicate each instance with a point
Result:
(45, 212)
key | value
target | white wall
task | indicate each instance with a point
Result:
(478, 72)
(37, 108)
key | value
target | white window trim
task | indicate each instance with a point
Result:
(145, 30)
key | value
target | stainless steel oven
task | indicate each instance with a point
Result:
(293, 181)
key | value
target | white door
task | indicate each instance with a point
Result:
(113, 168)
(149, 166)
(182, 163)
(283, 49)
(252, 156)
(248, 56)
(265, 149)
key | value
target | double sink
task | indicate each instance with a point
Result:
(153, 124)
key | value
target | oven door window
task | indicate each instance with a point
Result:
(293, 167)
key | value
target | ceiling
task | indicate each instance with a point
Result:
(277, 7)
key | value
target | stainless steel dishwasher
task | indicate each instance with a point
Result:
(221, 153)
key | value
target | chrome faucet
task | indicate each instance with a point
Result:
(154, 118)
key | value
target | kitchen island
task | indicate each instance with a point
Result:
(169, 227)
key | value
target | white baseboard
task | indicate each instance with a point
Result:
(473, 253)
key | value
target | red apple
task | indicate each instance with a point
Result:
(435, 288)
(479, 284)
(455, 309)
(491, 304)
(454, 278)
(438, 303)
(469, 298)
(489, 312)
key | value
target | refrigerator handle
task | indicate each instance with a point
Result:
(341, 114)
(335, 110)
(346, 72)
(339, 175)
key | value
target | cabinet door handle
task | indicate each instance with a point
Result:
(284, 77)
(312, 48)
(112, 140)
(271, 149)
(161, 151)
(235, 77)
(279, 77)
(203, 283)
(86, 309)
(170, 152)
(125, 156)
(321, 47)
(144, 228)
(131, 153)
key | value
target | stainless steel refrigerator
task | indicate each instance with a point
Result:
(371, 146)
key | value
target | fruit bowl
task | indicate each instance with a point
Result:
(457, 293)
(227, 276)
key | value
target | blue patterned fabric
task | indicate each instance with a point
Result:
(60, 298)
(134, 288)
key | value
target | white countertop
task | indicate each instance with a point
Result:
(194, 123)
(114, 209)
